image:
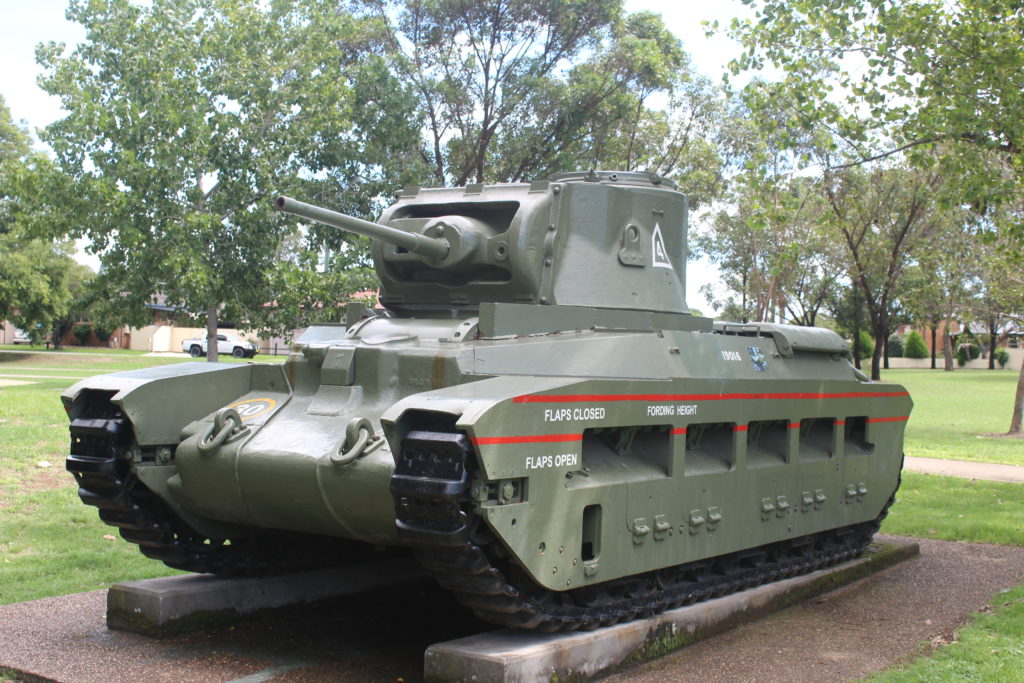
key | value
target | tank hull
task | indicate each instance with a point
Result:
(695, 444)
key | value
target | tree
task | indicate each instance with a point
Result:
(772, 251)
(14, 141)
(513, 90)
(768, 242)
(924, 77)
(34, 281)
(943, 284)
(881, 216)
(34, 272)
(185, 118)
(84, 302)
(891, 76)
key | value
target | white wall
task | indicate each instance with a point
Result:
(1016, 358)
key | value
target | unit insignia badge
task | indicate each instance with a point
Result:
(758, 359)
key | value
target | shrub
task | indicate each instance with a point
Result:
(867, 345)
(915, 346)
(102, 331)
(82, 332)
(966, 352)
(1002, 356)
(895, 346)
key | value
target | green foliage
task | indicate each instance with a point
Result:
(34, 280)
(915, 346)
(186, 118)
(867, 345)
(14, 140)
(82, 332)
(517, 90)
(102, 330)
(967, 351)
(34, 271)
(895, 347)
(922, 77)
(1002, 356)
(771, 249)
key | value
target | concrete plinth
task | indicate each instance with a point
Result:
(178, 604)
(514, 656)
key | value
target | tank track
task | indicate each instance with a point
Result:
(101, 464)
(433, 509)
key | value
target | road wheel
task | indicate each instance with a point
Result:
(238, 352)
(195, 351)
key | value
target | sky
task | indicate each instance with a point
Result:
(30, 22)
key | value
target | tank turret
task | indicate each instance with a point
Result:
(599, 239)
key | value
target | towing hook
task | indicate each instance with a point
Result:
(226, 423)
(359, 440)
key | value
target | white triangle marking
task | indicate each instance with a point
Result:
(659, 255)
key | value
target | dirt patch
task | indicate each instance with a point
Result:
(33, 481)
(48, 479)
(13, 383)
(1003, 435)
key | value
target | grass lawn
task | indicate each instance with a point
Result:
(954, 411)
(953, 509)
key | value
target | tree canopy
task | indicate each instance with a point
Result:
(930, 81)
(185, 118)
(513, 90)
(886, 76)
(35, 273)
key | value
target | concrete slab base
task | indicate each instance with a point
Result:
(179, 604)
(513, 656)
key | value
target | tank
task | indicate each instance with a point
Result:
(533, 414)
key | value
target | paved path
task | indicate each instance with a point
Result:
(13, 383)
(62, 353)
(19, 376)
(967, 470)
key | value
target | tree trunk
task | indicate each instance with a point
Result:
(211, 334)
(879, 332)
(856, 348)
(885, 353)
(1018, 404)
(947, 349)
(935, 332)
(991, 343)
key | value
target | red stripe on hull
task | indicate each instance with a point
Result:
(533, 438)
(781, 396)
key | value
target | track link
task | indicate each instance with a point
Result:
(433, 512)
(101, 463)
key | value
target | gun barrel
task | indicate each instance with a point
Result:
(416, 243)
